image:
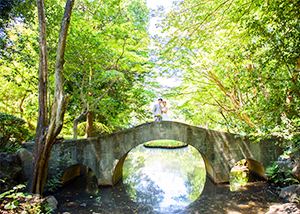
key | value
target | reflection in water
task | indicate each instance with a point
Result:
(238, 179)
(166, 179)
(240, 175)
(79, 196)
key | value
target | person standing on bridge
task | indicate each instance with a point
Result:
(157, 110)
(164, 109)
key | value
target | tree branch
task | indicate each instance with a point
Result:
(23, 77)
(103, 95)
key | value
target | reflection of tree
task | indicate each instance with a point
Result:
(195, 183)
(139, 186)
(185, 163)
(238, 179)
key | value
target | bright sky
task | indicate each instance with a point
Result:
(154, 4)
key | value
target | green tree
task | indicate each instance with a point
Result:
(18, 79)
(12, 12)
(112, 53)
(238, 62)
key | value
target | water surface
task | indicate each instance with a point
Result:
(168, 179)
(160, 181)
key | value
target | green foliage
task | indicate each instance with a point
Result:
(13, 131)
(98, 129)
(165, 144)
(13, 193)
(54, 182)
(11, 11)
(238, 62)
(279, 176)
(113, 46)
(14, 8)
(238, 179)
(18, 202)
(18, 63)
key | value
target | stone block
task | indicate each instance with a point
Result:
(10, 165)
(290, 193)
(26, 162)
(296, 170)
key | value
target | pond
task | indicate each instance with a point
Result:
(165, 181)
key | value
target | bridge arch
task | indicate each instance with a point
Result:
(220, 149)
(118, 170)
(255, 168)
(74, 171)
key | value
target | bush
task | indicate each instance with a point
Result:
(15, 201)
(98, 129)
(12, 132)
(279, 176)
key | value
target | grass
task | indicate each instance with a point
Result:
(165, 144)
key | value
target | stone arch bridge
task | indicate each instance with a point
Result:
(105, 154)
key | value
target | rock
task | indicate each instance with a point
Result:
(10, 165)
(72, 204)
(26, 162)
(52, 202)
(97, 204)
(243, 206)
(290, 193)
(288, 208)
(296, 170)
(285, 162)
(295, 156)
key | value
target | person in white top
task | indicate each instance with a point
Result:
(157, 110)
(164, 109)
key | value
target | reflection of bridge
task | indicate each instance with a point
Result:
(105, 154)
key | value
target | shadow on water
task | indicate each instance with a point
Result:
(141, 192)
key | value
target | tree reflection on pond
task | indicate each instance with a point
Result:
(238, 179)
(166, 179)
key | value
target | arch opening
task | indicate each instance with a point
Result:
(118, 168)
(163, 177)
(80, 177)
(74, 171)
(246, 171)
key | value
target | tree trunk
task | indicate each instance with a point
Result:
(75, 123)
(89, 124)
(85, 112)
(46, 134)
(42, 113)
